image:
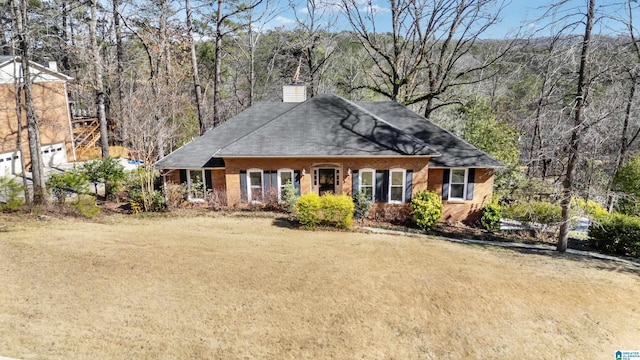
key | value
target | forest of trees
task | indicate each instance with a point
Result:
(165, 71)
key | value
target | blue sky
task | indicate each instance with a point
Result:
(517, 14)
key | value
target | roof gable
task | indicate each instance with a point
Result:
(10, 65)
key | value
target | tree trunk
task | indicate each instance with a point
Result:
(119, 57)
(28, 194)
(97, 81)
(567, 183)
(33, 131)
(194, 69)
(217, 76)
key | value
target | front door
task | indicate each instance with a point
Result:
(327, 181)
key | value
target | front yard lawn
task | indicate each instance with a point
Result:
(229, 287)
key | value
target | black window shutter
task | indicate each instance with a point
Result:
(207, 179)
(296, 181)
(470, 180)
(408, 186)
(183, 176)
(385, 186)
(445, 184)
(243, 185)
(355, 182)
(380, 186)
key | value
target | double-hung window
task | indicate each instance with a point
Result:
(196, 184)
(396, 185)
(284, 176)
(254, 185)
(367, 183)
(458, 184)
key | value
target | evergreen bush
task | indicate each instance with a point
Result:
(491, 215)
(427, 209)
(308, 209)
(12, 193)
(616, 233)
(289, 197)
(361, 205)
(337, 210)
(541, 212)
(63, 185)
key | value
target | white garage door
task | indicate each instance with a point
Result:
(54, 155)
(10, 163)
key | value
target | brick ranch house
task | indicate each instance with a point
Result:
(49, 88)
(330, 144)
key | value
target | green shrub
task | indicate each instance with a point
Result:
(308, 209)
(63, 185)
(336, 210)
(541, 212)
(289, 197)
(328, 209)
(491, 215)
(427, 209)
(590, 208)
(86, 206)
(141, 201)
(12, 192)
(616, 233)
(361, 205)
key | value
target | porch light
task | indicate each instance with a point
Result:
(304, 172)
(349, 171)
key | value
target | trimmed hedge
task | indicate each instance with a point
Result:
(427, 209)
(616, 233)
(328, 209)
(541, 212)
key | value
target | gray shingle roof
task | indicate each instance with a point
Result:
(198, 152)
(327, 126)
(455, 151)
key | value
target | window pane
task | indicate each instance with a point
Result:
(396, 178)
(285, 177)
(457, 176)
(368, 192)
(396, 194)
(366, 179)
(256, 179)
(457, 191)
(195, 175)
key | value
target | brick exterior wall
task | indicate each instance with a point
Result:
(234, 166)
(52, 111)
(423, 179)
(468, 210)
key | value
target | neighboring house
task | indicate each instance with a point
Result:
(52, 109)
(329, 144)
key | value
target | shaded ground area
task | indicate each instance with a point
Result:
(241, 287)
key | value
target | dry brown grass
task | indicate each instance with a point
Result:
(228, 288)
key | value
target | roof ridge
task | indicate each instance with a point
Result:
(390, 124)
(258, 128)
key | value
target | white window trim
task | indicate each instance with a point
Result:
(280, 184)
(404, 185)
(373, 182)
(189, 197)
(464, 189)
(249, 197)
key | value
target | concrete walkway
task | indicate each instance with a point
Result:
(513, 245)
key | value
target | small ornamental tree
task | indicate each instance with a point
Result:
(427, 209)
(108, 171)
